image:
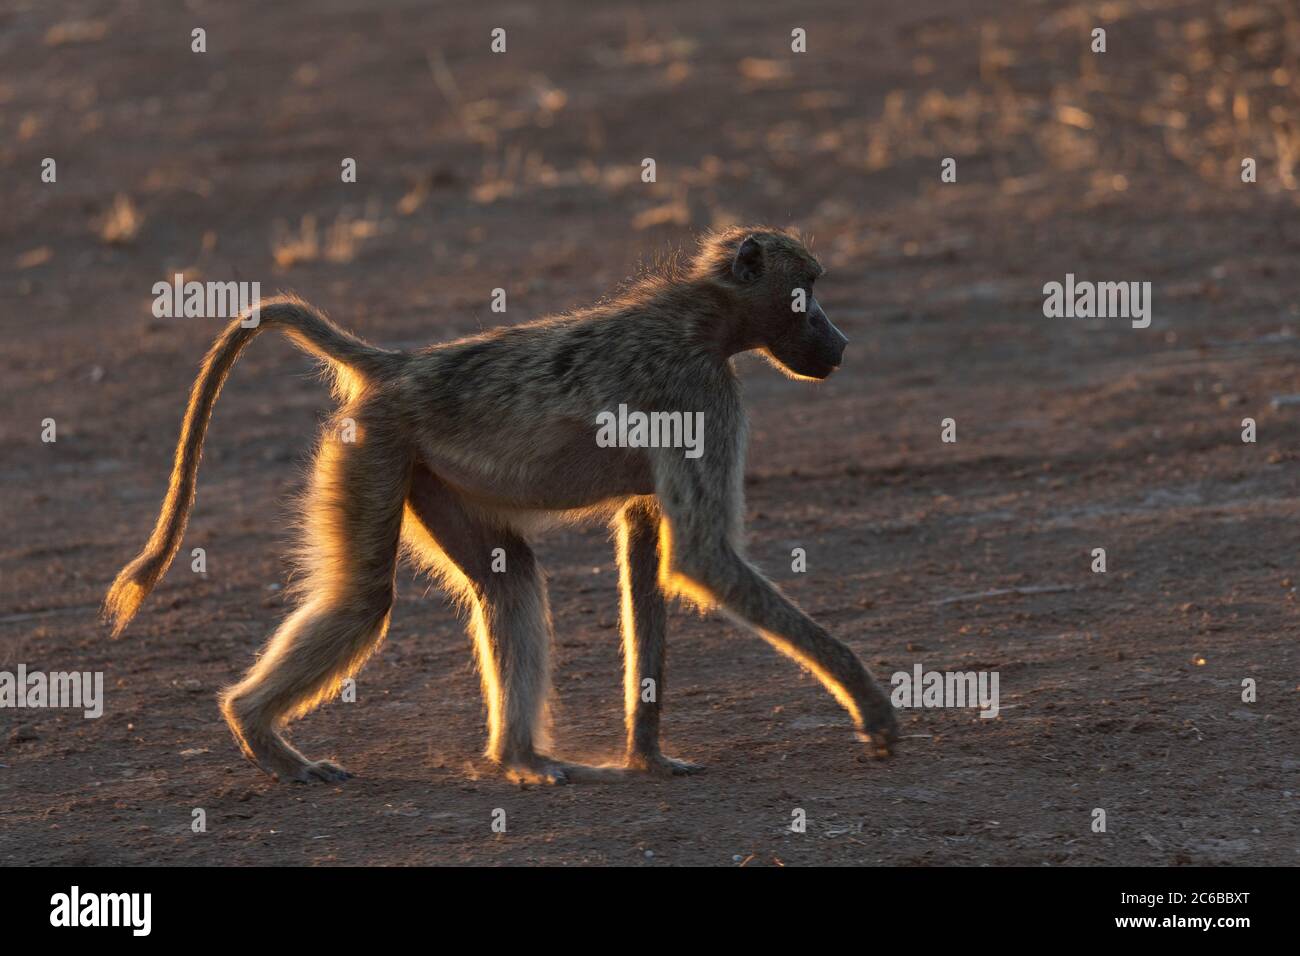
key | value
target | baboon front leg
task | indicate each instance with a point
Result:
(510, 619)
(701, 503)
(353, 519)
(644, 624)
(715, 574)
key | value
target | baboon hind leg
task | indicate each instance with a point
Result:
(644, 623)
(510, 619)
(353, 523)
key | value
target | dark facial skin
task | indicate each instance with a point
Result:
(804, 344)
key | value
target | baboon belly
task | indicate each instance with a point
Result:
(554, 472)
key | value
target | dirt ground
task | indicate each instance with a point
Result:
(1120, 691)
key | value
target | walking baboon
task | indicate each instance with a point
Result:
(459, 449)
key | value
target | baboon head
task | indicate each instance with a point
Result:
(773, 273)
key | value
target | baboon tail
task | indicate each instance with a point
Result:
(354, 364)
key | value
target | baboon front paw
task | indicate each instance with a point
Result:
(320, 771)
(879, 736)
(662, 766)
(879, 730)
(879, 745)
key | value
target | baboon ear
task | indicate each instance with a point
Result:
(748, 264)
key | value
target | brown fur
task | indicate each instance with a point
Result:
(462, 448)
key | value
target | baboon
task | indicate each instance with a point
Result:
(461, 449)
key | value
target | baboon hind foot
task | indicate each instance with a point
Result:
(287, 765)
(659, 765)
(534, 769)
(539, 769)
(272, 754)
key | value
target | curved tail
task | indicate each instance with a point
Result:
(354, 364)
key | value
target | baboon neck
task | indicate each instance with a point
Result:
(719, 318)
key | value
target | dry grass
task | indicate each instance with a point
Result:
(338, 242)
(121, 224)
